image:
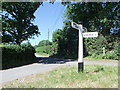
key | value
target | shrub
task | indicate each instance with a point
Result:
(117, 50)
(14, 55)
(95, 45)
(108, 55)
(41, 49)
(50, 49)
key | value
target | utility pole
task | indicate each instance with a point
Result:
(48, 40)
(48, 35)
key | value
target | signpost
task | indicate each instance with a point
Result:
(90, 34)
(80, 50)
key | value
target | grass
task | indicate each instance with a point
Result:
(94, 76)
(94, 59)
(43, 50)
(43, 54)
(1, 45)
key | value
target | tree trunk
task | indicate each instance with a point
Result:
(18, 42)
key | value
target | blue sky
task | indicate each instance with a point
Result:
(49, 16)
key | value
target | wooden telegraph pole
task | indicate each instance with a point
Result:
(47, 43)
(48, 36)
(48, 39)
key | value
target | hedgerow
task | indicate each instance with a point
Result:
(14, 55)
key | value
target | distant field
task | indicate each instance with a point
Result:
(94, 76)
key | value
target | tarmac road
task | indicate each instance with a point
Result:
(45, 64)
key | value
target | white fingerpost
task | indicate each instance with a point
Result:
(80, 50)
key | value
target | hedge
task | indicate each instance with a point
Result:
(15, 55)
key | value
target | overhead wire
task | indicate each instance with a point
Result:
(58, 17)
(53, 14)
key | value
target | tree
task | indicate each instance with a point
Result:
(101, 17)
(96, 16)
(56, 36)
(17, 21)
(67, 41)
(44, 43)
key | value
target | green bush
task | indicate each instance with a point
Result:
(14, 55)
(94, 47)
(108, 55)
(41, 49)
(50, 49)
(117, 50)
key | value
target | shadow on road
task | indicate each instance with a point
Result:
(50, 60)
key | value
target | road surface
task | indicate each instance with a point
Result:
(45, 64)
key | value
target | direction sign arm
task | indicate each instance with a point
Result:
(81, 29)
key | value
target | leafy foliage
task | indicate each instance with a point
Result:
(44, 43)
(14, 55)
(17, 21)
(50, 49)
(95, 45)
(41, 49)
(67, 41)
(97, 16)
(117, 50)
(46, 47)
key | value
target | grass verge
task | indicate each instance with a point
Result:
(94, 59)
(94, 76)
(43, 54)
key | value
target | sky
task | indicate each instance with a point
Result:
(49, 16)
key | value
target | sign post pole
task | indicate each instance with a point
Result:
(80, 51)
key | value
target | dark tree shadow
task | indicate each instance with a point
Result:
(50, 60)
